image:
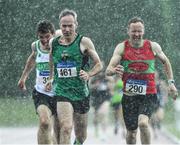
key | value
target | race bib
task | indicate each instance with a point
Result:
(43, 77)
(136, 86)
(66, 69)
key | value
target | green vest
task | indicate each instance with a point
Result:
(68, 61)
(118, 92)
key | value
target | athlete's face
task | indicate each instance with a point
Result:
(44, 38)
(68, 26)
(136, 32)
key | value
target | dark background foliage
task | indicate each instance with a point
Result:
(104, 21)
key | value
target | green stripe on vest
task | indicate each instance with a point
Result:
(148, 66)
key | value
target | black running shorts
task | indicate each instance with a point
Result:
(80, 106)
(133, 106)
(40, 99)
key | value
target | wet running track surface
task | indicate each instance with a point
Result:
(28, 136)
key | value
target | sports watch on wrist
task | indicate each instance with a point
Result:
(171, 81)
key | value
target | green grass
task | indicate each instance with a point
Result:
(17, 112)
(21, 112)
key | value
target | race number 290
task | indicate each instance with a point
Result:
(136, 86)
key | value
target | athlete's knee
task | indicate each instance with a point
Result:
(143, 127)
(143, 121)
(131, 136)
(44, 116)
(131, 133)
(45, 122)
(143, 124)
(66, 128)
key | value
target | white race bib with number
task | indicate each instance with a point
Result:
(42, 77)
(66, 69)
(136, 86)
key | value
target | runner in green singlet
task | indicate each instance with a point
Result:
(69, 63)
(116, 106)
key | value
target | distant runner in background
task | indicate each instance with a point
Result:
(116, 106)
(162, 95)
(100, 96)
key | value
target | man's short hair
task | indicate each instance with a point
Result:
(45, 26)
(66, 12)
(135, 20)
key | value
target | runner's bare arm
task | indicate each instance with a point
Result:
(160, 55)
(167, 65)
(114, 66)
(87, 48)
(30, 63)
(49, 83)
